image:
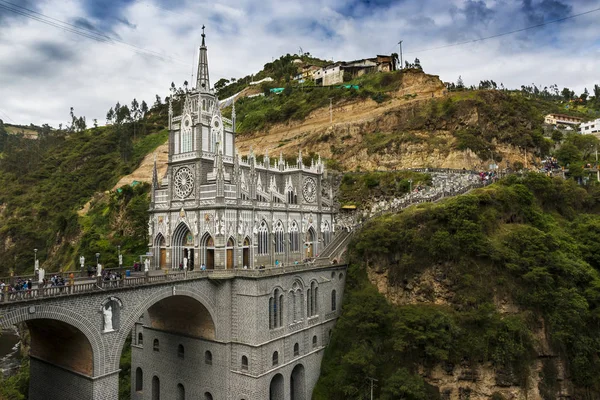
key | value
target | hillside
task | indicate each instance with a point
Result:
(45, 182)
(489, 295)
(413, 122)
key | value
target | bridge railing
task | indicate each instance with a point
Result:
(7, 296)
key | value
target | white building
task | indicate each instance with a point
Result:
(590, 127)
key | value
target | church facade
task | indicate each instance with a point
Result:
(249, 334)
(217, 209)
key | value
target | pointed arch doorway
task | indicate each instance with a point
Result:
(160, 250)
(246, 252)
(229, 252)
(208, 249)
(309, 243)
(183, 248)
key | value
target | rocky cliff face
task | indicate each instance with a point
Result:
(393, 134)
(548, 378)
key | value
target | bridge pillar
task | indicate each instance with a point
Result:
(49, 381)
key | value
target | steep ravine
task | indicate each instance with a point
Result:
(482, 380)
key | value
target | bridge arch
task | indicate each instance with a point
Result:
(188, 297)
(64, 323)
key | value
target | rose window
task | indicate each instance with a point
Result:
(184, 183)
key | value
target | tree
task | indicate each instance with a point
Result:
(418, 64)
(567, 94)
(135, 114)
(459, 83)
(110, 115)
(557, 136)
(584, 95)
(220, 84)
(157, 102)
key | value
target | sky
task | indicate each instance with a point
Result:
(127, 49)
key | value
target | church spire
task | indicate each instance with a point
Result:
(203, 83)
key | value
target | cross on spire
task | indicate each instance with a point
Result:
(202, 81)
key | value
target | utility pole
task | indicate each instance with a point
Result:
(330, 110)
(597, 171)
(401, 62)
(372, 379)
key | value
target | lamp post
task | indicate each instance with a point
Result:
(36, 266)
(98, 271)
(120, 257)
(410, 187)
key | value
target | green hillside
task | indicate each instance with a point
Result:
(44, 182)
(531, 241)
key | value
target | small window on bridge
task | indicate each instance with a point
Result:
(180, 351)
(208, 358)
(155, 345)
(275, 358)
(244, 363)
(314, 341)
(296, 349)
(140, 339)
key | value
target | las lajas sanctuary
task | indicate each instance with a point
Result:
(218, 209)
(245, 333)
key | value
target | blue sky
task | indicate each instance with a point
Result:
(146, 44)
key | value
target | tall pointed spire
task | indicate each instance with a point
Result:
(155, 174)
(203, 83)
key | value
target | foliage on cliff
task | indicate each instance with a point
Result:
(356, 187)
(530, 239)
(45, 181)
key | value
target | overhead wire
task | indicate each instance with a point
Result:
(505, 33)
(81, 31)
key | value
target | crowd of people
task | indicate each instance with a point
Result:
(18, 285)
(488, 176)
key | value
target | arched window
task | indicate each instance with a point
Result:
(326, 234)
(155, 345)
(291, 196)
(208, 396)
(180, 351)
(139, 380)
(341, 276)
(271, 314)
(296, 302)
(276, 310)
(311, 296)
(279, 243)
(275, 358)
(180, 392)
(263, 238)
(244, 363)
(155, 388)
(208, 357)
(314, 341)
(333, 301)
(294, 238)
(296, 350)
(186, 135)
(140, 339)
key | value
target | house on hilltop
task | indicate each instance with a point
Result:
(333, 74)
(562, 119)
(591, 127)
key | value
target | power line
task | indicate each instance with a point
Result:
(506, 33)
(7, 116)
(81, 31)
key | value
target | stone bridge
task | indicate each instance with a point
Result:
(74, 356)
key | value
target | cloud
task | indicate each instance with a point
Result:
(64, 70)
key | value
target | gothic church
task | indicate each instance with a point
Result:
(219, 210)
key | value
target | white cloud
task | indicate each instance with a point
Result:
(44, 70)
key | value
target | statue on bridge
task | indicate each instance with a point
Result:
(107, 313)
